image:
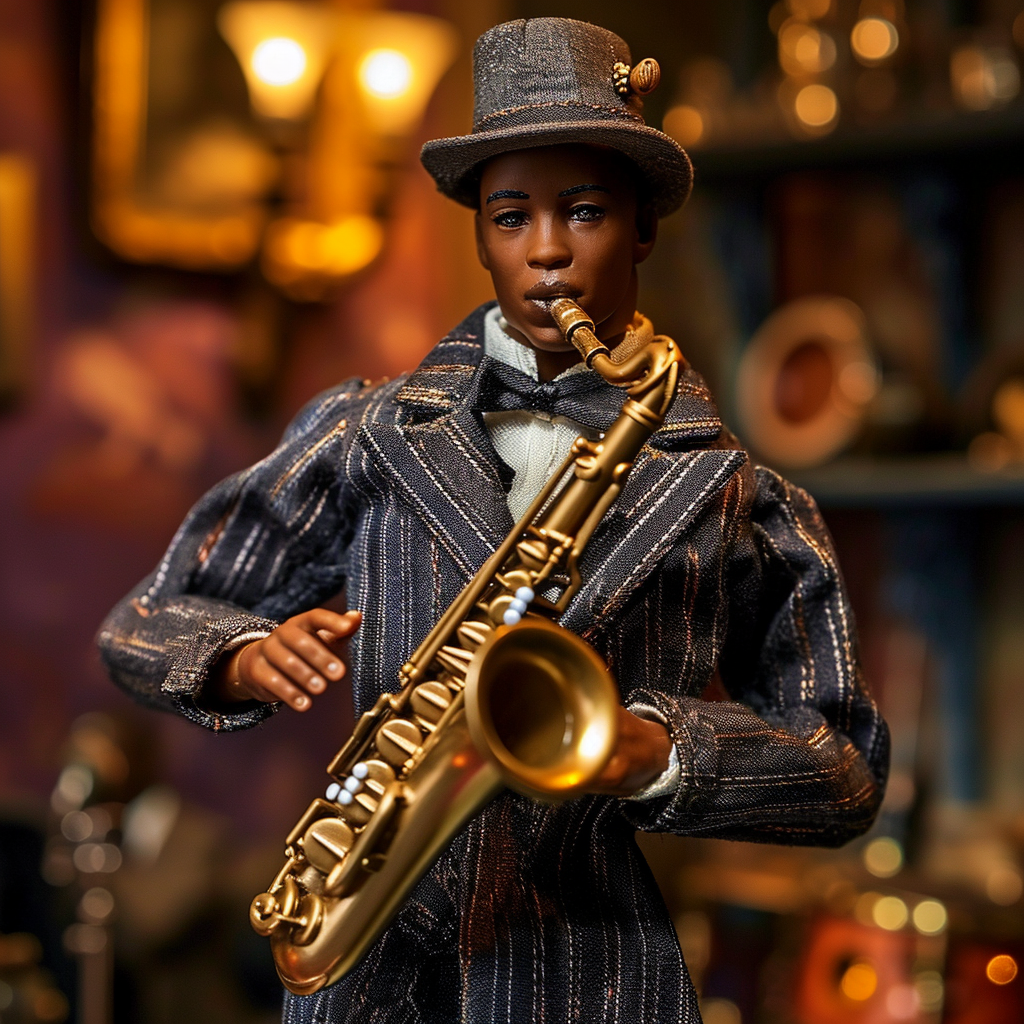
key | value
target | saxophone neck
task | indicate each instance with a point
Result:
(649, 375)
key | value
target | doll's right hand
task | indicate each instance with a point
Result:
(293, 664)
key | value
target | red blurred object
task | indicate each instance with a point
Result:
(872, 965)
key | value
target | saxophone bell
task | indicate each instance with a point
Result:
(543, 708)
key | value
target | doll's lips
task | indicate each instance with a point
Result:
(546, 292)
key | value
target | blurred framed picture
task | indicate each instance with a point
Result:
(178, 169)
(17, 257)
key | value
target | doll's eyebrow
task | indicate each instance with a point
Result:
(506, 193)
(576, 189)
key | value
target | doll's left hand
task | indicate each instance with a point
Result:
(640, 756)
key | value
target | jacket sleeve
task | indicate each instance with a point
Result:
(259, 547)
(800, 755)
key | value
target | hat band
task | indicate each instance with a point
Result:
(539, 113)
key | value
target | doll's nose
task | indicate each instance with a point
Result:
(549, 248)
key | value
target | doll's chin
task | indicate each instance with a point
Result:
(549, 343)
(546, 339)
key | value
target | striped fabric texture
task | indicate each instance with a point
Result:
(536, 913)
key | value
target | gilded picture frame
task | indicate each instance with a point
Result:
(17, 273)
(128, 212)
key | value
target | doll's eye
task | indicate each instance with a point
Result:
(510, 219)
(586, 212)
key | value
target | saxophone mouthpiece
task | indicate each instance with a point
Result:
(577, 328)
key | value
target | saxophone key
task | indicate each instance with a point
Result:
(472, 633)
(515, 579)
(326, 841)
(379, 775)
(264, 914)
(398, 740)
(430, 701)
(455, 660)
(500, 608)
(311, 916)
(533, 553)
(288, 896)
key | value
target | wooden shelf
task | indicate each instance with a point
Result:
(936, 480)
(969, 141)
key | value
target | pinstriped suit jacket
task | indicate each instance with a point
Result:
(537, 913)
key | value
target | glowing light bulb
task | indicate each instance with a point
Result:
(283, 49)
(279, 61)
(385, 73)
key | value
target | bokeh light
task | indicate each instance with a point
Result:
(930, 917)
(983, 77)
(883, 857)
(385, 73)
(1001, 969)
(685, 124)
(816, 106)
(890, 913)
(859, 981)
(1003, 884)
(930, 990)
(279, 61)
(874, 40)
(804, 50)
(809, 10)
(902, 1002)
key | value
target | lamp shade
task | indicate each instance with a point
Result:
(401, 59)
(283, 48)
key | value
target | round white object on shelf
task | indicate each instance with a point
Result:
(805, 381)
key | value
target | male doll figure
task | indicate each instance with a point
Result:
(402, 490)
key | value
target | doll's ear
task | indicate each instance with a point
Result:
(646, 233)
(481, 252)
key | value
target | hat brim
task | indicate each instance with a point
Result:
(662, 161)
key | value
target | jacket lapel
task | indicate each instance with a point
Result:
(664, 495)
(438, 455)
(681, 469)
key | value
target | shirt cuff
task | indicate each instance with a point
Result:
(668, 781)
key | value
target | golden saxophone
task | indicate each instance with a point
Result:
(496, 695)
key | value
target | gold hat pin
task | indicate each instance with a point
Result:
(641, 79)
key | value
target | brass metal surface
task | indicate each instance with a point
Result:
(496, 695)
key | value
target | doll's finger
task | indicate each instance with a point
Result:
(323, 618)
(314, 653)
(330, 636)
(267, 678)
(294, 667)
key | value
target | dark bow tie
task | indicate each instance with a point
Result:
(583, 396)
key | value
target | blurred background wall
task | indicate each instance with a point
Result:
(181, 269)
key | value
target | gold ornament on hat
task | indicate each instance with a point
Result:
(641, 80)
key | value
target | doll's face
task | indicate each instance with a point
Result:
(562, 221)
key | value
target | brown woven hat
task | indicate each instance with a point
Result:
(549, 81)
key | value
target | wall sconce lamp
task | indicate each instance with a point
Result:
(283, 49)
(336, 95)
